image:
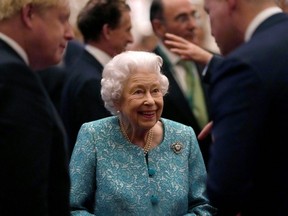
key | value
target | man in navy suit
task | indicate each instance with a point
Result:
(34, 160)
(248, 169)
(54, 77)
(180, 17)
(81, 99)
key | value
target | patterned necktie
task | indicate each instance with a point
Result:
(194, 93)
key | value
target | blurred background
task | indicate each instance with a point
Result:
(144, 38)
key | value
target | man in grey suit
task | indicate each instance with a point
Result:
(106, 29)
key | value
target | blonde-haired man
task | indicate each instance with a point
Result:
(34, 168)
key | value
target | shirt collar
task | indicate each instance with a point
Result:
(98, 54)
(173, 58)
(261, 17)
(15, 46)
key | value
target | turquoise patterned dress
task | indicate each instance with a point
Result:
(110, 176)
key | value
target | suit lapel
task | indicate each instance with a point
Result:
(174, 89)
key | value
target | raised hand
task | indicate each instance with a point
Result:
(187, 50)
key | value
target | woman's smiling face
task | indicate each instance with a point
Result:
(141, 103)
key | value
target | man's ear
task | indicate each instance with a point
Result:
(106, 31)
(232, 4)
(158, 28)
(27, 13)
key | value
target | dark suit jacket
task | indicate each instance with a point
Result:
(34, 163)
(176, 106)
(248, 169)
(54, 77)
(81, 98)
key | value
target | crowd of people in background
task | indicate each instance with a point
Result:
(103, 38)
(104, 103)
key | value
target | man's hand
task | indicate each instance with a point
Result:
(205, 131)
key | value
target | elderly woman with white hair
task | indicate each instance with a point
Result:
(135, 162)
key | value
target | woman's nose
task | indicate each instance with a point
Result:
(149, 99)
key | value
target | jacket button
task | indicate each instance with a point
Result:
(154, 199)
(151, 172)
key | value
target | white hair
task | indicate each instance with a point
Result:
(118, 70)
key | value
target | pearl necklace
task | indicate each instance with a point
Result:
(147, 146)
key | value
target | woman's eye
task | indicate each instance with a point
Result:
(156, 90)
(138, 91)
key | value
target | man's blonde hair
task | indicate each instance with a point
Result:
(8, 8)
